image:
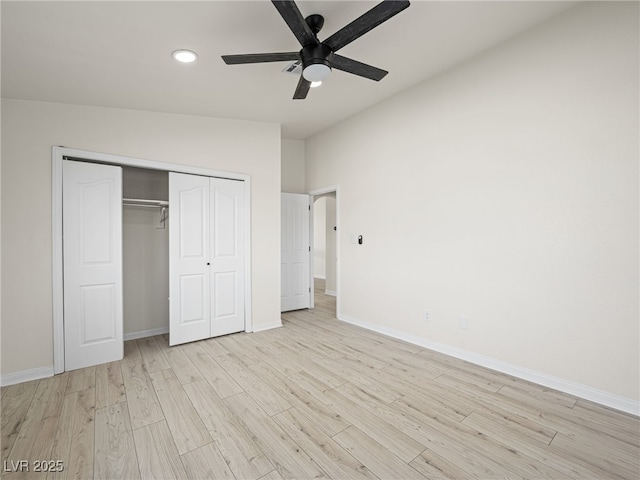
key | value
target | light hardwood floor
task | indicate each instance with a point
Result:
(315, 399)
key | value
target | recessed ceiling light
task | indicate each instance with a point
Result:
(315, 84)
(184, 56)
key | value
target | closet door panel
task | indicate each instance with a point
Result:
(192, 298)
(225, 216)
(193, 218)
(92, 248)
(227, 260)
(98, 313)
(225, 293)
(189, 249)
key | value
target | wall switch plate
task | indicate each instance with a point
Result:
(354, 239)
(463, 323)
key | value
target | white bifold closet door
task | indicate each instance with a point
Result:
(295, 292)
(92, 248)
(206, 257)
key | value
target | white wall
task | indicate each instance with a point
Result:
(293, 166)
(505, 191)
(29, 129)
(320, 237)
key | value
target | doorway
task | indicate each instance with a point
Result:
(325, 258)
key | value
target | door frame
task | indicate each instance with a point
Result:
(58, 153)
(314, 194)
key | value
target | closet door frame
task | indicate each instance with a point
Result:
(57, 155)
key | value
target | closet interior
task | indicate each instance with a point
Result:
(145, 236)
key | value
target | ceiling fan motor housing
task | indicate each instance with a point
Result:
(318, 54)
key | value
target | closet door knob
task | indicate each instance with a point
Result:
(208, 263)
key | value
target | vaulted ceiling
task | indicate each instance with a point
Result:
(118, 54)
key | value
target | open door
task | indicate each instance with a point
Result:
(296, 252)
(92, 248)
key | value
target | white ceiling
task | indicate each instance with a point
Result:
(117, 54)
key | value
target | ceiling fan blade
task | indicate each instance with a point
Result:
(260, 58)
(292, 16)
(302, 89)
(357, 68)
(361, 25)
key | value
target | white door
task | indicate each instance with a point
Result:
(189, 279)
(227, 256)
(296, 251)
(206, 257)
(92, 249)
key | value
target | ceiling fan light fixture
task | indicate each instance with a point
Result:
(318, 58)
(184, 56)
(315, 84)
(316, 72)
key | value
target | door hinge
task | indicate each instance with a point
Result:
(309, 207)
(309, 248)
(309, 289)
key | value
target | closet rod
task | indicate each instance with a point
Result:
(139, 202)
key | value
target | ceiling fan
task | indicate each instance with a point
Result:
(318, 58)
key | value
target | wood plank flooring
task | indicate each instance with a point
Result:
(317, 398)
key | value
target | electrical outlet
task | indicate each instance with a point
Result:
(463, 323)
(427, 316)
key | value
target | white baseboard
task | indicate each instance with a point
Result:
(262, 328)
(25, 376)
(583, 391)
(146, 333)
(330, 293)
(320, 277)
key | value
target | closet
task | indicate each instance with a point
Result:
(145, 252)
(145, 256)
